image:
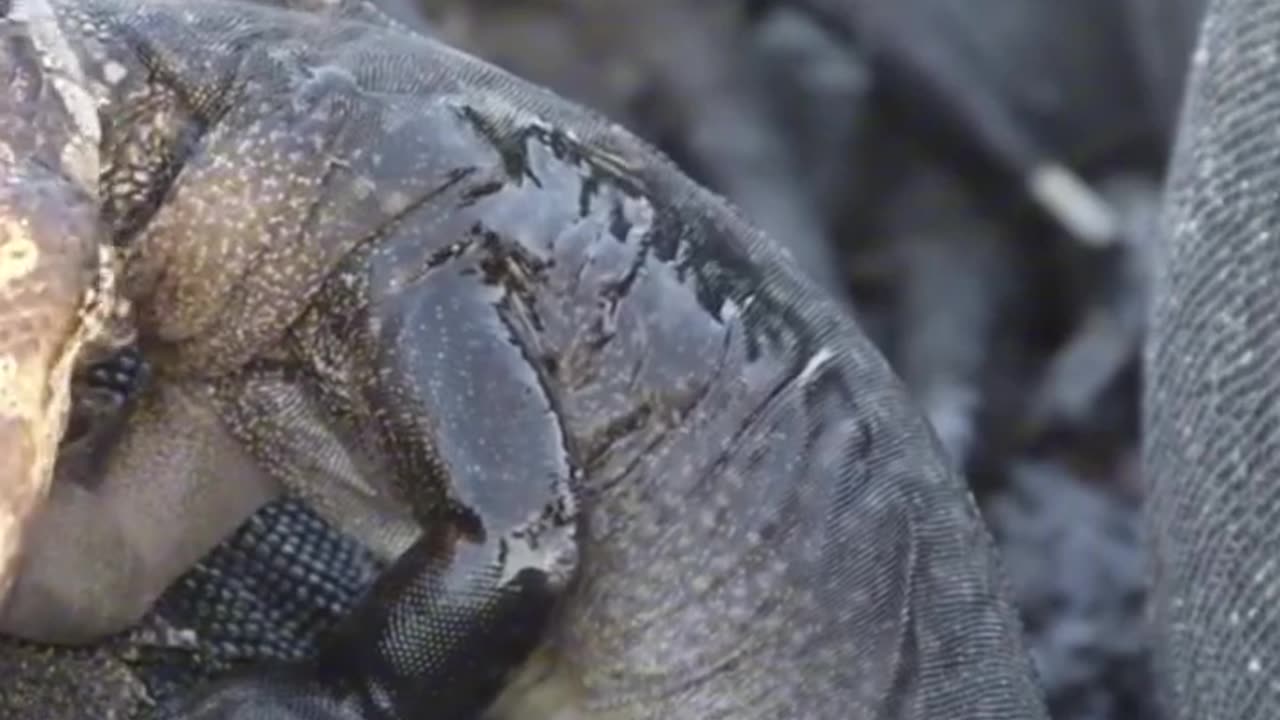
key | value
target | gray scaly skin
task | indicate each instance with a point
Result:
(658, 473)
(266, 594)
(1210, 411)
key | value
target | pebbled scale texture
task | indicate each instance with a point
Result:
(265, 594)
(1212, 420)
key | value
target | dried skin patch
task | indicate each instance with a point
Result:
(15, 391)
(18, 502)
(35, 402)
(48, 309)
(45, 325)
(35, 370)
(18, 252)
(19, 418)
(21, 391)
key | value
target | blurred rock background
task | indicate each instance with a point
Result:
(911, 155)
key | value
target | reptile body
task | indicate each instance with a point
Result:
(1208, 424)
(659, 472)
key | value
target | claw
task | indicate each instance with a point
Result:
(56, 289)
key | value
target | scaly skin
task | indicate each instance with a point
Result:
(233, 609)
(659, 473)
(55, 276)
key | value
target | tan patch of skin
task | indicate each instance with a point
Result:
(18, 502)
(18, 252)
(544, 688)
(53, 316)
(35, 398)
(40, 407)
(31, 430)
(20, 385)
(48, 315)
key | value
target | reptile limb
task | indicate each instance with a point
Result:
(502, 546)
(318, 463)
(267, 594)
(174, 485)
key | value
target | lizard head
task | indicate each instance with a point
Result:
(56, 289)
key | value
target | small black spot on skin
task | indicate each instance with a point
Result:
(507, 263)
(444, 255)
(551, 364)
(479, 192)
(619, 225)
(512, 146)
(515, 159)
(589, 186)
(467, 523)
(616, 429)
(663, 239)
(455, 176)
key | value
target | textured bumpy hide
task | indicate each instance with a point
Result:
(267, 593)
(54, 278)
(1212, 444)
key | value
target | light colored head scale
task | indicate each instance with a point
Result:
(56, 272)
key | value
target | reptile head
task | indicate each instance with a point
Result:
(55, 272)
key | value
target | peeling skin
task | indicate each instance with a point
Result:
(18, 253)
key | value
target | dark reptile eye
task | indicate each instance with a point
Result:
(119, 373)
